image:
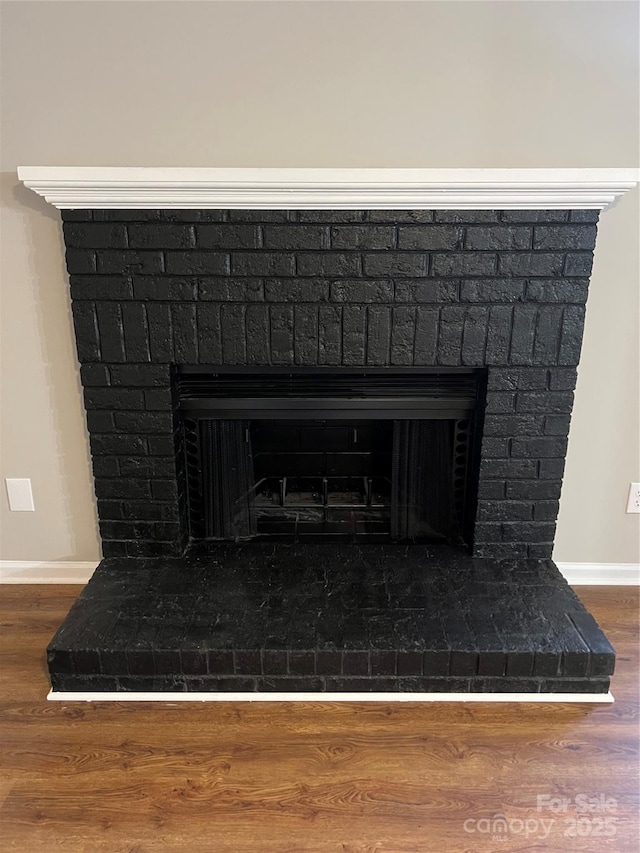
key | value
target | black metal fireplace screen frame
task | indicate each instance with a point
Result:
(430, 408)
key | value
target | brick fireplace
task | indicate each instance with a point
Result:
(413, 296)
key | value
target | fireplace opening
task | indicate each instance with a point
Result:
(294, 455)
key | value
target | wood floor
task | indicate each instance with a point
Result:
(310, 777)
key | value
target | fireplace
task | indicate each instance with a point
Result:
(328, 441)
(303, 455)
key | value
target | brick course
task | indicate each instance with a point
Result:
(502, 290)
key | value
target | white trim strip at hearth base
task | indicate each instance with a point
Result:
(89, 187)
(131, 696)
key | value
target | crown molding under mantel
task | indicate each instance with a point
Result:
(88, 187)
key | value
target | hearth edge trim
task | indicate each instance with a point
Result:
(126, 696)
(88, 187)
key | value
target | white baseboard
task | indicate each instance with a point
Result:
(26, 571)
(170, 698)
(577, 574)
(601, 574)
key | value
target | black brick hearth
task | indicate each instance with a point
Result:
(499, 293)
(335, 618)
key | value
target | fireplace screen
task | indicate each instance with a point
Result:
(381, 454)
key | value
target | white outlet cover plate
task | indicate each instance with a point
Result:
(20, 494)
(633, 503)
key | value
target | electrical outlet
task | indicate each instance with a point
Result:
(633, 503)
(20, 495)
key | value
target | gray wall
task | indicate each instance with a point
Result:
(310, 84)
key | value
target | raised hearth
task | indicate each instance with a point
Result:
(329, 617)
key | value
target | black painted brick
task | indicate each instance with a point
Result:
(584, 215)
(139, 375)
(534, 215)
(295, 237)
(509, 468)
(94, 375)
(430, 238)
(136, 333)
(401, 217)
(501, 403)
(129, 261)
(257, 264)
(156, 288)
(330, 335)
(402, 335)
(523, 335)
(557, 425)
(113, 398)
(498, 335)
(305, 345)
(557, 290)
(144, 422)
(80, 261)
(353, 334)
(159, 323)
(274, 662)
(122, 488)
(524, 264)
(545, 510)
(379, 335)
(281, 321)
(571, 335)
(355, 663)
(466, 216)
(544, 402)
(427, 290)
(395, 264)
(257, 330)
(101, 287)
(228, 236)
(296, 290)
(259, 215)
(564, 237)
(426, 336)
(436, 662)
(474, 336)
(197, 263)
(209, 334)
(161, 236)
(513, 425)
(498, 237)
(563, 378)
(504, 511)
(363, 237)
(85, 323)
(185, 338)
(464, 264)
(578, 264)
(533, 490)
(362, 291)
(111, 331)
(546, 447)
(517, 379)
(492, 290)
(383, 662)
(334, 215)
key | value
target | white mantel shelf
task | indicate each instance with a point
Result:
(88, 187)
